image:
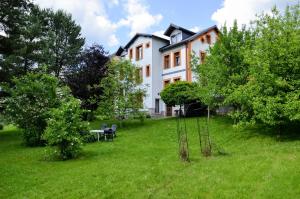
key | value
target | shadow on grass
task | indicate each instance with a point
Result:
(84, 155)
(127, 125)
(286, 133)
(9, 133)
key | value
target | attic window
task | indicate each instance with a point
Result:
(208, 38)
(139, 53)
(148, 45)
(175, 38)
(202, 39)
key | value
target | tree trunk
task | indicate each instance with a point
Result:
(208, 114)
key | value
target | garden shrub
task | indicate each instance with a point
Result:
(179, 93)
(64, 128)
(29, 103)
(88, 137)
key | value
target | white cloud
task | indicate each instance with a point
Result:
(96, 24)
(114, 2)
(160, 33)
(195, 29)
(244, 10)
(138, 17)
(92, 17)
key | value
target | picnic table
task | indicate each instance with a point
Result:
(105, 131)
(99, 132)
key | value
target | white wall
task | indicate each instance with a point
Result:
(157, 69)
(177, 71)
(147, 60)
(152, 57)
(171, 52)
(198, 46)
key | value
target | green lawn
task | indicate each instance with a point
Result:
(143, 163)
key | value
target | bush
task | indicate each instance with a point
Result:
(64, 128)
(87, 137)
(1, 126)
(179, 93)
(29, 103)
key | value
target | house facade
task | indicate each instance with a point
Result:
(164, 61)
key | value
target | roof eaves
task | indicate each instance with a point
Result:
(173, 26)
(168, 47)
(203, 32)
(135, 37)
(143, 35)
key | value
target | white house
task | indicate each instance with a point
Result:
(163, 61)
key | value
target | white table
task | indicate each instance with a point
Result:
(98, 133)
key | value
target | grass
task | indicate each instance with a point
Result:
(143, 163)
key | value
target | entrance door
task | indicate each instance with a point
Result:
(169, 111)
(156, 105)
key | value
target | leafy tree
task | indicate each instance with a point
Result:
(225, 68)
(122, 91)
(84, 78)
(12, 13)
(30, 100)
(64, 42)
(179, 93)
(272, 93)
(35, 37)
(63, 129)
(13, 20)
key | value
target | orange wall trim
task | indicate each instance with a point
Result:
(188, 62)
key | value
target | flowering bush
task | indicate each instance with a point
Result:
(29, 103)
(63, 129)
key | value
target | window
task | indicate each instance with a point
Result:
(130, 53)
(202, 56)
(177, 58)
(148, 71)
(139, 53)
(166, 61)
(166, 82)
(139, 75)
(175, 38)
(208, 38)
(202, 39)
(176, 79)
(148, 45)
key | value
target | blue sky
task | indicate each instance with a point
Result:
(113, 22)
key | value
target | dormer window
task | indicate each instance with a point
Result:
(175, 38)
